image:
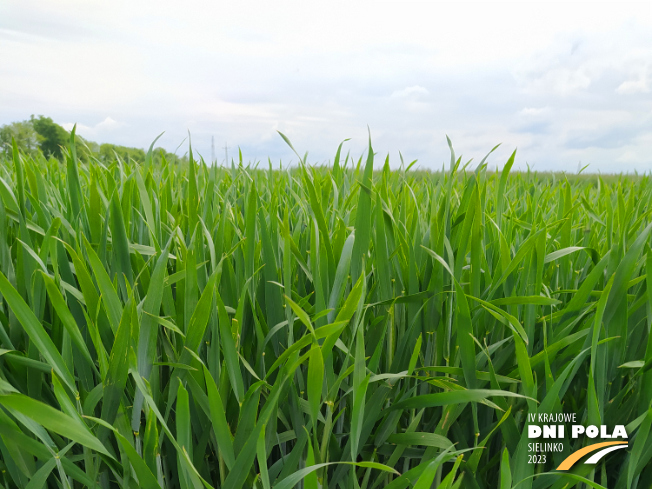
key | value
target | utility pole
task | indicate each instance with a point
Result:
(226, 155)
(213, 150)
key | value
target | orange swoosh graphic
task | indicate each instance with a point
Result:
(575, 456)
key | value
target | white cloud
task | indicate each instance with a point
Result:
(100, 131)
(535, 111)
(640, 84)
(634, 86)
(629, 156)
(546, 77)
(413, 91)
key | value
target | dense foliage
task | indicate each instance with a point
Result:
(179, 325)
(33, 135)
(42, 134)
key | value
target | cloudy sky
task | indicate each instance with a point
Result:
(567, 83)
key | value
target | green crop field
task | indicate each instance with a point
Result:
(181, 325)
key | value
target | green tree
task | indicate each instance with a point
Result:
(159, 154)
(23, 132)
(52, 137)
(42, 133)
(108, 152)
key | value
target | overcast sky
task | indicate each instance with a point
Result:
(566, 83)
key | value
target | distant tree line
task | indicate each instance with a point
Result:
(42, 135)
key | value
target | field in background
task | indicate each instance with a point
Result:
(184, 326)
